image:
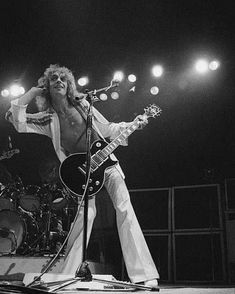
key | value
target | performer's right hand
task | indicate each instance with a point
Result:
(30, 95)
(38, 91)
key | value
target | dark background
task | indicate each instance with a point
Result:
(192, 141)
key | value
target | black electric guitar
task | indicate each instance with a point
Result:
(73, 169)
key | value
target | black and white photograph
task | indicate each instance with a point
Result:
(117, 146)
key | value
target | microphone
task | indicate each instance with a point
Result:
(88, 94)
(80, 96)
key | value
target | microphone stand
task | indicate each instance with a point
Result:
(83, 271)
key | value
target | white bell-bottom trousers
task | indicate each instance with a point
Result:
(139, 263)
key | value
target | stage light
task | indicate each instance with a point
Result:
(157, 71)
(83, 81)
(213, 65)
(5, 93)
(132, 78)
(154, 90)
(114, 95)
(103, 97)
(202, 66)
(118, 76)
(16, 90)
(22, 90)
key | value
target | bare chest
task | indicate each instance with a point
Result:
(72, 131)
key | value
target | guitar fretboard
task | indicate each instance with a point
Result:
(102, 155)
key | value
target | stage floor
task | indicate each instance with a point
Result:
(162, 289)
(20, 271)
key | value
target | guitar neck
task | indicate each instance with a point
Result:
(120, 138)
(102, 155)
(99, 157)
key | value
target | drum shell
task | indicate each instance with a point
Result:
(8, 200)
(29, 199)
(22, 226)
(59, 199)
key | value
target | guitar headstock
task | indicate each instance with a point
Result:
(152, 110)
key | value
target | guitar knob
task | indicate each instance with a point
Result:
(83, 187)
(90, 180)
(97, 183)
(91, 189)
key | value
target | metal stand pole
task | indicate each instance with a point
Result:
(83, 271)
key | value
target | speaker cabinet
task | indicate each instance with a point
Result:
(183, 229)
(198, 238)
(230, 230)
(230, 193)
(196, 207)
(198, 257)
(152, 208)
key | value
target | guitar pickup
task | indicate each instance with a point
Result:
(97, 163)
(81, 170)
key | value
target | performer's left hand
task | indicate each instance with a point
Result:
(142, 121)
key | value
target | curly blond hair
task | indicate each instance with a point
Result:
(44, 81)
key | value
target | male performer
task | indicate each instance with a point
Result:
(65, 123)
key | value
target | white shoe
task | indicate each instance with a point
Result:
(152, 283)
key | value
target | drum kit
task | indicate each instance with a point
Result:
(31, 218)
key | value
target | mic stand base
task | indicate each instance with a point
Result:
(83, 272)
